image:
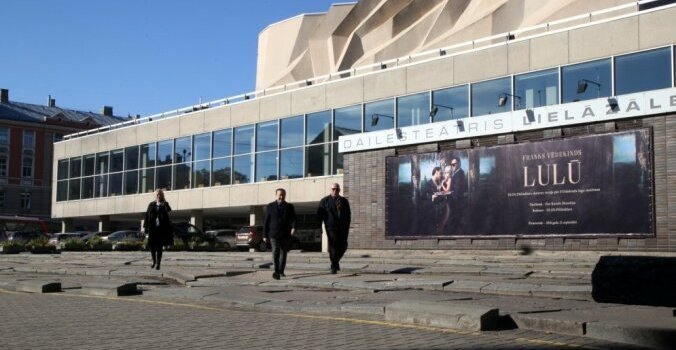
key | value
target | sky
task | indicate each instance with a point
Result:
(139, 56)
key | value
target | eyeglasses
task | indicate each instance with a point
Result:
(335, 189)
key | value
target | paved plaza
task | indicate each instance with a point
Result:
(229, 301)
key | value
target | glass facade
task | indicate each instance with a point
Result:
(306, 145)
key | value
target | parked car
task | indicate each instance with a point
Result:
(124, 236)
(252, 237)
(95, 234)
(58, 239)
(185, 231)
(223, 236)
(23, 237)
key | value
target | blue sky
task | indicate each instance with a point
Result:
(139, 56)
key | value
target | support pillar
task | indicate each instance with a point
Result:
(104, 223)
(197, 219)
(256, 215)
(325, 240)
(66, 225)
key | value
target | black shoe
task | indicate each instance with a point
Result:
(157, 267)
(275, 275)
(152, 266)
(338, 266)
(334, 271)
(282, 274)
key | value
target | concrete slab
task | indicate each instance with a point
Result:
(37, 286)
(183, 276)
(109, 288)
(653, 333)
(443, 314)
(555, 322)
(466, 286)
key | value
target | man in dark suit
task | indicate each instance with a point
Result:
(278, 227)
(334, 212)
(458, 189)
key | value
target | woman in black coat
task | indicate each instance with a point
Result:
(158, 227)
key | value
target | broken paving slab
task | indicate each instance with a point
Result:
(466, 286)
(554, 321)
(109, 288)
(445, 314)
(38, 286)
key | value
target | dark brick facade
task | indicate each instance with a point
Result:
(364, 185)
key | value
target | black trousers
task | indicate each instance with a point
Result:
(337, 246)
(156, 254)
(280, 248)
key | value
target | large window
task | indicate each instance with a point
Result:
(487, 97)
(292, 132)
(130, 182)
(413, 109)
(266, 166)
(116, 160)
(165, 150)
(25, 200)
(585, 81)
(28, 157)
(146, 180)
(222, 143)
(318, 128)
(201, 174)
(347, 121)
(182, 163)
(87, 187)
(131, 158)
(291, 163)
(318, 161)
(89, 165)
(643, 71)
(451, 103)
(244, 169)
(266, 138)
(221, 171)
(537, 89)
(75, 167)
(62, 169)
(244, 139)
(379, 115)
(202, 146)
(148, 155)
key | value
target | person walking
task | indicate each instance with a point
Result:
(278, 227)
(158, 227)
(334, 212)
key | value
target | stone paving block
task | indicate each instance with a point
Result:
(183, 277)
(653, 333)
(554, 322)
(368, 309)
(443, 314)
(37, 286)
(510, 288)
(466, 286)
(109, 288)
(579, 292)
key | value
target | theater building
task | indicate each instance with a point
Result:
(481, 125)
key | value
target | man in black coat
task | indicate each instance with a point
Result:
(458, 189)
(278, 227)
(334, 212)
(158, 227)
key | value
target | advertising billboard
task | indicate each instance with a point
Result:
(592, 185)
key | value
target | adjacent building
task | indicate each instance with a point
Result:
(451, 125)
(27, 135)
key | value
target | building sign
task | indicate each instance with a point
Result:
(591, 185)
(596, 110)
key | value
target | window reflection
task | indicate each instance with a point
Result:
(266, 166)
(244, 169)
(165, 150)
(201, 174)
(202, 146)
(62, 191)
(73, 189)
(318, 162)
(221, 171)
(292, 131)
(413, 110)
(131, 158)
(222, 143)
(337, 160)
(115, 185)
(291, 163)
(244, 139)
(131, 182)
(87, 187)
(100, 186)
(585, 81)
(181, 176)
(148, 155)
(164, 177)
(451, 103)
(266, 138)
(318, 127)
(75, 167)
(347, 121)
(183, 150)
(537, 89)
(146, 180)
(116, 160)
(102, 163)
(88, 165)
(485, 97)
(643, 71)
(379, 115)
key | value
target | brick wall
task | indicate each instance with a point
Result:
(364, 183)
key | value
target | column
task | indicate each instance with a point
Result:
(256, 215)
(104, 223)
(197, 219)
(66, 225)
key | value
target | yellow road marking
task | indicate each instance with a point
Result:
(306, 316)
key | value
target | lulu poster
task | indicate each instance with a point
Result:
(581, 186)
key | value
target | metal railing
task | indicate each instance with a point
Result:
(596, 17)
